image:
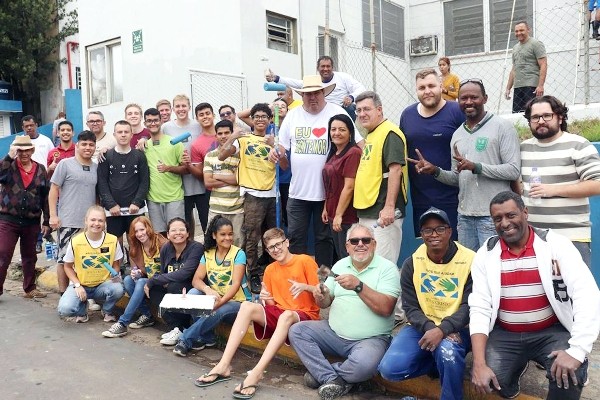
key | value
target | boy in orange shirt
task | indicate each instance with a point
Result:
(286, 298)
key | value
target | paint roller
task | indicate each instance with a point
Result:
(274, 87)
(110, 269)
(180, 138)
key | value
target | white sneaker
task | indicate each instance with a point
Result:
(166, 335)
(92, 306)
(172, 338)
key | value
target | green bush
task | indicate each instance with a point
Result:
(588, 128)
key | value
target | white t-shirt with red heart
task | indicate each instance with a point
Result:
(306, 135)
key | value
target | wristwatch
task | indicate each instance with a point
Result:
(76, 285)
(359, 287)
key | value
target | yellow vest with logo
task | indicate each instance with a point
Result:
(370, 170)
(439, 287)
(220, 275)
(255, 171)
(88, 261)
(152, 263)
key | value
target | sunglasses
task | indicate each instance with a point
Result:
(476, 81)
(364, 240)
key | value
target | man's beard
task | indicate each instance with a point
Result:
(551, 132)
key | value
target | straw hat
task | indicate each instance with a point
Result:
(23, 143)
(312, 83)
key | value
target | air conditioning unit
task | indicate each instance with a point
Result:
(424, 46)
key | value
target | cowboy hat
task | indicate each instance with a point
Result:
(23, 143)
(312, 83)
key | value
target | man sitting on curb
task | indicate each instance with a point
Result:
(533, 299)
(436, 283)
(362, 290)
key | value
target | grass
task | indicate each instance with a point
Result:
(588, 128)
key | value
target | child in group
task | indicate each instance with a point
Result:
(223, 266)
(286, 298)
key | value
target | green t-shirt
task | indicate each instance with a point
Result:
(349, 316)
(525, 62)
(164, 186)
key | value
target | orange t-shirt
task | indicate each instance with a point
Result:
(301, 268)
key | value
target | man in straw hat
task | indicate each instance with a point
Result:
(304, 133)
(24, 192)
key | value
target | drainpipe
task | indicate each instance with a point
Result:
(70, 46)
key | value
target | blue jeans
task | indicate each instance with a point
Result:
(300, 213)
(473, 231)
(312, 340)
(203, 328)
(137, 299)
(351, 110)
(107, 293)
(405, 359)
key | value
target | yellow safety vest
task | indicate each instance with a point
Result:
(152, 263)
(220, 275)
(88, 261)
(439, 287)
(255, 171)
(370, 170)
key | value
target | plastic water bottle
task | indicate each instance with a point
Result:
(136, 273)
(48, 248)
(54, 251)
(535, 179)
(397, 215)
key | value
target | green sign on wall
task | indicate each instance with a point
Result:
(137, 41)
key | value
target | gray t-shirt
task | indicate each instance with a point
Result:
(191, 184)
(77, 190)
(525, 62)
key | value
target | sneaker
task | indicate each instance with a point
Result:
(200, 345)
(92, 306)
(109, 317)
(34, 294)
(38, 247)
(142, 322)
(310, 381)
(172, 338)
(181, 349)
(82, 319)
(334, 389)
(255, 284)
(117, 330)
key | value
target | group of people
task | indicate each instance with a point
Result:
(503, 270)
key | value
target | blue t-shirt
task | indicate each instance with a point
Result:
(432, 137)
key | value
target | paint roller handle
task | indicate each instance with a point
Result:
(110, 269)
(180, 138)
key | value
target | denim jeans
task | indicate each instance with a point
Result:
(507, 354)
(312, 340)
(405, 360)
(203, 328)
(473, 231)
(107, 293)
(137, 299)
(300, 213)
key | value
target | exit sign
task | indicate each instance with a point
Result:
(137, 41)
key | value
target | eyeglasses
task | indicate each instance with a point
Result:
(546, 117)
(366, 109)
(364, 240)
(95, 121)
(476, 81)
(440, 230)
(225, 114)
(260, 117)
(275, 246)
(152, 121)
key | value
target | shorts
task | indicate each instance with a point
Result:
(272, 314)
(161, 213)
(64, 237)
(119, 225)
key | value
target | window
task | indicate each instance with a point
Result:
(281, 33)
(466, 20)
(389, 26)
(105, 73)
(333, 48)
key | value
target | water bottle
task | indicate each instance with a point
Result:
(535, 179)
(54, 251)
(49, 255)
(397, 215)
(136, 273)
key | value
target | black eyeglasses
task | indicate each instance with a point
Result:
(546, 117)
(364, 240)
(225, 114)
(471, 80)
(260, 117)
(440, 230)
(152, 121)
(275, 246)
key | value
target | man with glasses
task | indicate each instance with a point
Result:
(362, 290)
(104, 142)
(228, 112)
(569, 166)
(436, 283)
(485, 160)
(256, 177)
(166, 164)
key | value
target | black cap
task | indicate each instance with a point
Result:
(434, 212)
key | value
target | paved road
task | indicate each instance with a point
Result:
(43, 357)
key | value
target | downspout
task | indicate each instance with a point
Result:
(70, 45)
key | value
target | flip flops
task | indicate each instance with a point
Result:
(237, 394)
(219, 378)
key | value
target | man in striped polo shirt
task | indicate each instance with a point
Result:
(569, 167)
(533, 299)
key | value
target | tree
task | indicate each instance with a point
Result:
(30, 35)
